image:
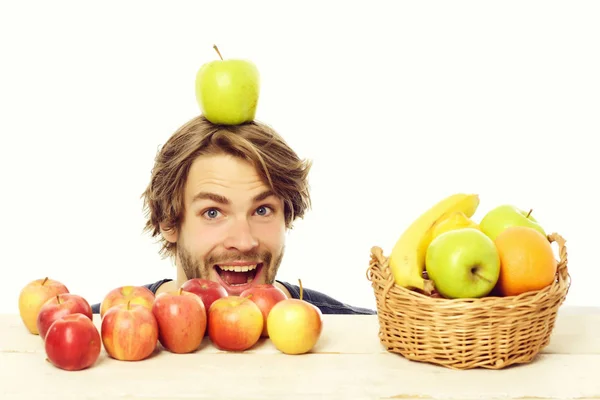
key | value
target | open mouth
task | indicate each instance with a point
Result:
(238, 276)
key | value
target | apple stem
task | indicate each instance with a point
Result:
(482, 277)
(128, 305)
(180, 290)
(57, 299)
(44, 281)
(529, 213)
(300, 284)
(217, 50)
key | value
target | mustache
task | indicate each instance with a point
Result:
(252, 256)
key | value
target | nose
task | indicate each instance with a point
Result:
(240, 236)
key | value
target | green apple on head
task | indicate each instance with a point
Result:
(505, 216)
(227, 91)
(463, 263)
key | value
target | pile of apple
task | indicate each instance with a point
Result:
(134, 321)
(63, 320)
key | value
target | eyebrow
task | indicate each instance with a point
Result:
(263, 195)
(217, 198)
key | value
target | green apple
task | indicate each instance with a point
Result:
(463, 263)
(227, 91)
(504, 216)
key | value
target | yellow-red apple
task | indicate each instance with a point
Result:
(295, 325)
(207, 290)
(234, 323)
(32, 298)
(127, 294)
(265, 296)
(73, 342)
(129, 332)
(181, 320)
(57, 307)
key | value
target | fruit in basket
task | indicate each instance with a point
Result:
(227, 91)
(407, 259)
(504, 216)
(295, 325)
(265, 296)
(463, 263)
(73, 342)
(527, 261)
(235, 323)
(207, 290)
(58, 306)
(127, 294)
(129, 332)
(455, 220)
(181, 319)
(33, 296)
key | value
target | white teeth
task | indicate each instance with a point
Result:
(236, 268)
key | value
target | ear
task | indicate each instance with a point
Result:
(170, 234)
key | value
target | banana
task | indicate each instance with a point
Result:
(452, 221)
(407, 259)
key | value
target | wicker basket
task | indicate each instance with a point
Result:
(490, 332)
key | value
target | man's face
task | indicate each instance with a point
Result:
(233, 230)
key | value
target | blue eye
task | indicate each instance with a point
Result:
(262, 210)
(212, 213)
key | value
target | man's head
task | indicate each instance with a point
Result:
(222, 197)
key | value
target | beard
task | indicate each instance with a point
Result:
(195, 268)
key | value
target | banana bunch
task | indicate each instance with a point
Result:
(407, 259)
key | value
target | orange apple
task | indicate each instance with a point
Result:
(32, 298)
(234, 323)
(59, 306)
(265, 296)
(181, 319)
(127, 294)
(295, 325)
(73, 342)
(129, 332)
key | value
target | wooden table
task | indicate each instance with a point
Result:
(347, 363)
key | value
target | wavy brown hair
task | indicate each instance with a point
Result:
(276, 163)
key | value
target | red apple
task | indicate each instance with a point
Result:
(127, 294)
(57, 307)
(208, 290)
(181, 319)
(234, 323)
(32, 298)
(265, 296)
(73, 342)
(129, 332)
(294, 325)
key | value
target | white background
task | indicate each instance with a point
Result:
(398, 104)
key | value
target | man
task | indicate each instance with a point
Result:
(220, 199)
